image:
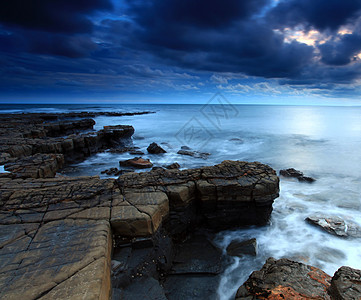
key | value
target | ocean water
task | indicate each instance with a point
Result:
(323, 142)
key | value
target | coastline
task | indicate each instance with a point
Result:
(155, 203)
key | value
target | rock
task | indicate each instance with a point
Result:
(346, 284)
(173, 166)
(136, 152)
(196, 154)
(285, 279)
(185, 148)
(112, 171)
(144, 288)
(154, 148)
(81, 247)
(237, 248)
(236, 140)
(296, 174)
(229, 194)
(336, 226)
(196, 270)
(36, 166)
(27, 134)
(137, 162)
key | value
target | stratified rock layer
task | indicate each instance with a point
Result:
(55, 233)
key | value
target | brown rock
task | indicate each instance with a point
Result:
(285, 279)
(137, 162)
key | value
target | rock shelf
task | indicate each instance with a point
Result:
(89, 238)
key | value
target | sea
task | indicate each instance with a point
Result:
(323, 142)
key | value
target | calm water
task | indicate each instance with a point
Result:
(323, 142)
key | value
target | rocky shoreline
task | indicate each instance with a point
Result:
(141, 235)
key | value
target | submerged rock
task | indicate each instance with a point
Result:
(154, 148)
(196, 154)
(136, 162)
(285, 279)
(336, 226)
(241, 248)
(296, 174)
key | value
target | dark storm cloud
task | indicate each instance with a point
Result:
(67, 16)
(321, 14)
(20, 41)
(217, 36)
(55, 27)
(203, 13)
(341, 51)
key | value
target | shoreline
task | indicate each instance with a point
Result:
(141, 209)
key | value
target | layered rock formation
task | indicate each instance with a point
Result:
(30, 134)
(56, 232)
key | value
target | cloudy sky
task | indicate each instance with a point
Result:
(180, 51)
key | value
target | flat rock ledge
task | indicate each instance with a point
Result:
(287, 279)
(57, 234)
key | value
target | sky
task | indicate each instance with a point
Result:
(180, 51)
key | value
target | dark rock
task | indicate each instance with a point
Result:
(154, 148)
(196, 154)
(285, 279)
(173, 166)
(144, 288)
(196, 270)
(136, 152)
(157, 168)
(296, 174)
(192, 287)
(336, 226)
(346, 284)
(185, 148)
(137, 162)
(237, 248)
(197, 256)
(237, 140)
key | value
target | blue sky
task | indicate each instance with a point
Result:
(180, 51)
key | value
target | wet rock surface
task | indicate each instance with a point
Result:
(285, 279)
(154, 148)
(296, 174)
(241, 248)
(136, 162)
(346, 284)
(196, 154)
(335, 226)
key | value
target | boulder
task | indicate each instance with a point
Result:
(336, 226)
(154, 148)
(346, 284)
(285, 279)
(241, 248)
(136, 162)
(296, 174)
